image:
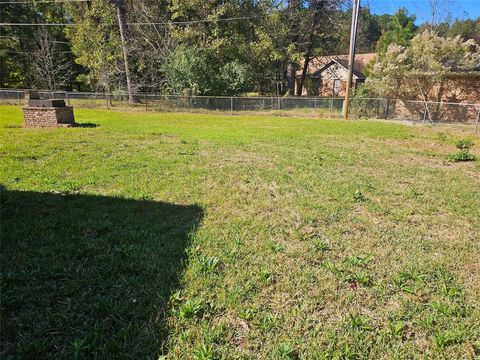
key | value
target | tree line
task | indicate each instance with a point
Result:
(191, 47)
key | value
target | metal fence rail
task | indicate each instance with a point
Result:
(378, 108)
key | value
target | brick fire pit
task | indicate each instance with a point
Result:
(46, 112)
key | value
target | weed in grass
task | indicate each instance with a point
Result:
(358, 277)
(462, 155)
(358, 322)
(285, 351)
(190, 309)
(321, 245)
(428, 320)
(409, 280)
(275, 247)
(449, 309)
(442, 136)
(335, 269)
(358, 196)
(352, 276)
(266, 277)
(208, 265)
(78, 346)
(464, 144)
(346, 353)
(359, 261)
(246, 314)
(464, 151)
(448, 337)
(396, 328)
(267, 321)
(204, 353)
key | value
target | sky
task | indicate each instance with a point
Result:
(462, 9)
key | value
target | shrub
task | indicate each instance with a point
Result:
(462, 155)
(464, 144)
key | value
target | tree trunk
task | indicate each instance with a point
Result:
(291, 77)
(311, 42)
(293, 10)
(122, 25)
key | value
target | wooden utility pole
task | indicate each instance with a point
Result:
(122, 25)
(351, 56)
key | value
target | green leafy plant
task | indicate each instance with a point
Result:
(447, 338)
(209, 264)
(358, 196)
(396, 328)
(464, 153)
(190, 309)
(358, 322)
(464, 144)
(78, 345)
(321, 245)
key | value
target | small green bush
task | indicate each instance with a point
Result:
(464, 144)
(462, 155)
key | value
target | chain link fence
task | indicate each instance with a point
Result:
(375, 108)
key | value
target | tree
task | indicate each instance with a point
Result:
(96, 44)
(121, 10)
(439, 14)
(421, 69)
(189, 71)
(50, 67)
(466, 29)
(369, 31)
(400, 30)
(317, 6)
(17, 43)
(293, 15)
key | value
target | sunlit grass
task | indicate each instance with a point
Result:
(305, 238)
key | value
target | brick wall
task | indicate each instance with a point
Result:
(48, 116)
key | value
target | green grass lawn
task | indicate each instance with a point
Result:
(209, 236)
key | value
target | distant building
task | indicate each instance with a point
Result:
(327, 75)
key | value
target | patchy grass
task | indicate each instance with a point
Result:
(210, 236)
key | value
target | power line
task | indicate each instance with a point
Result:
(41, 1)
(31, 39)
(36, 24)
(29, 52)
(139, 23)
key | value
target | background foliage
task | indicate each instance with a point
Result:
(193, 47)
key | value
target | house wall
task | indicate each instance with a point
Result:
(323, 86)
(335, 72)
(462, 89)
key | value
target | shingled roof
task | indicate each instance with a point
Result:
(319, 63)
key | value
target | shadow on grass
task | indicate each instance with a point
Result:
(89, 275)
(85, 125)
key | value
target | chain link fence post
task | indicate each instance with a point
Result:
(424, 112)
(478, 119)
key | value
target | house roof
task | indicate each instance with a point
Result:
(320, 63)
